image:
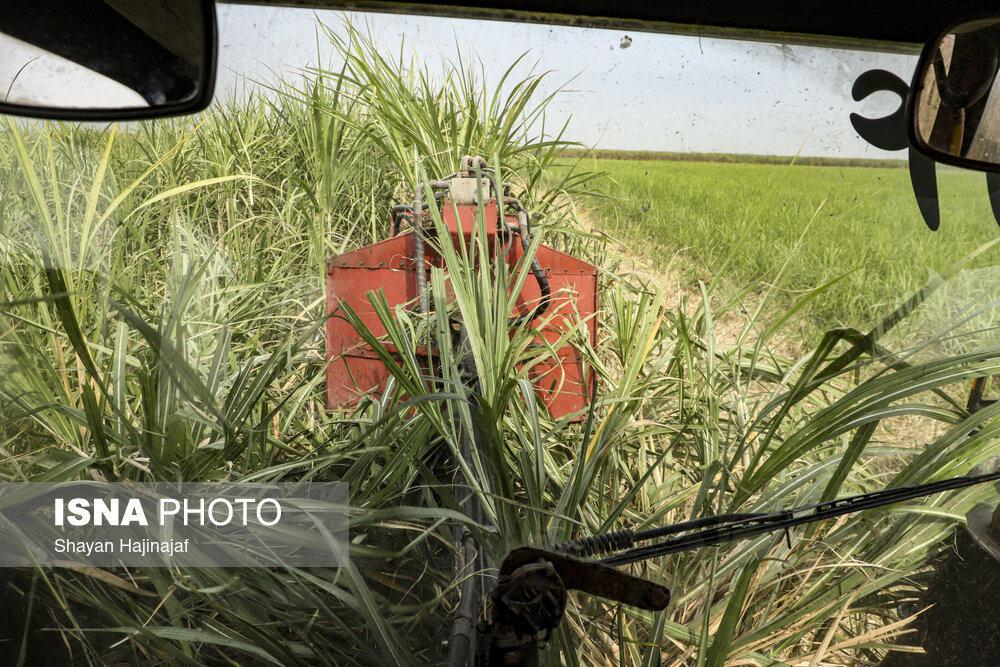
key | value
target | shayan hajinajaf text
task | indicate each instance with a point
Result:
(125, 546)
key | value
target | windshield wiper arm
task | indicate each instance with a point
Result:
(728, 527)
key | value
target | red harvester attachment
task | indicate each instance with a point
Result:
(391, 265)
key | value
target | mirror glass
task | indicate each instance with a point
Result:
(957, 103)
(150, 57)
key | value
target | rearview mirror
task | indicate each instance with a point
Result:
(954, 100)
(106, 59)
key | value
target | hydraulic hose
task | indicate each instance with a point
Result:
(524, 232)
(473, 586)
(418, 250)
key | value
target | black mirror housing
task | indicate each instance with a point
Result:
(953, 107)
(103, 60)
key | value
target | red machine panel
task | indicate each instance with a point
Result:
(355, 370)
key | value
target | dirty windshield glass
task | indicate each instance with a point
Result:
(543, 298)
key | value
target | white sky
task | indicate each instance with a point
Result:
(663, 92)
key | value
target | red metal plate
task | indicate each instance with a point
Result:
(354, 370)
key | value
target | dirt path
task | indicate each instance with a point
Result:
(730, 317)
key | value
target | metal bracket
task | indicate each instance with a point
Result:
(465, 191)
(889, 134)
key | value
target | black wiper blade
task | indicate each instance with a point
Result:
(728, 527)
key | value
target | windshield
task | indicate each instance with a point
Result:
(688, 277)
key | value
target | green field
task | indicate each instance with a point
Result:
(740, 158)
(796, 227)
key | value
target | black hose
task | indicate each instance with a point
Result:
(473, 587)
(463, 626)
(406, 217)
(524, 232)
(418, 251)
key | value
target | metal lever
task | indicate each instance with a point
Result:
(529, 600)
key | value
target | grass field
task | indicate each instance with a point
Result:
(796, 227)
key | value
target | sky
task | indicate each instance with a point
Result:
(621, 90)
